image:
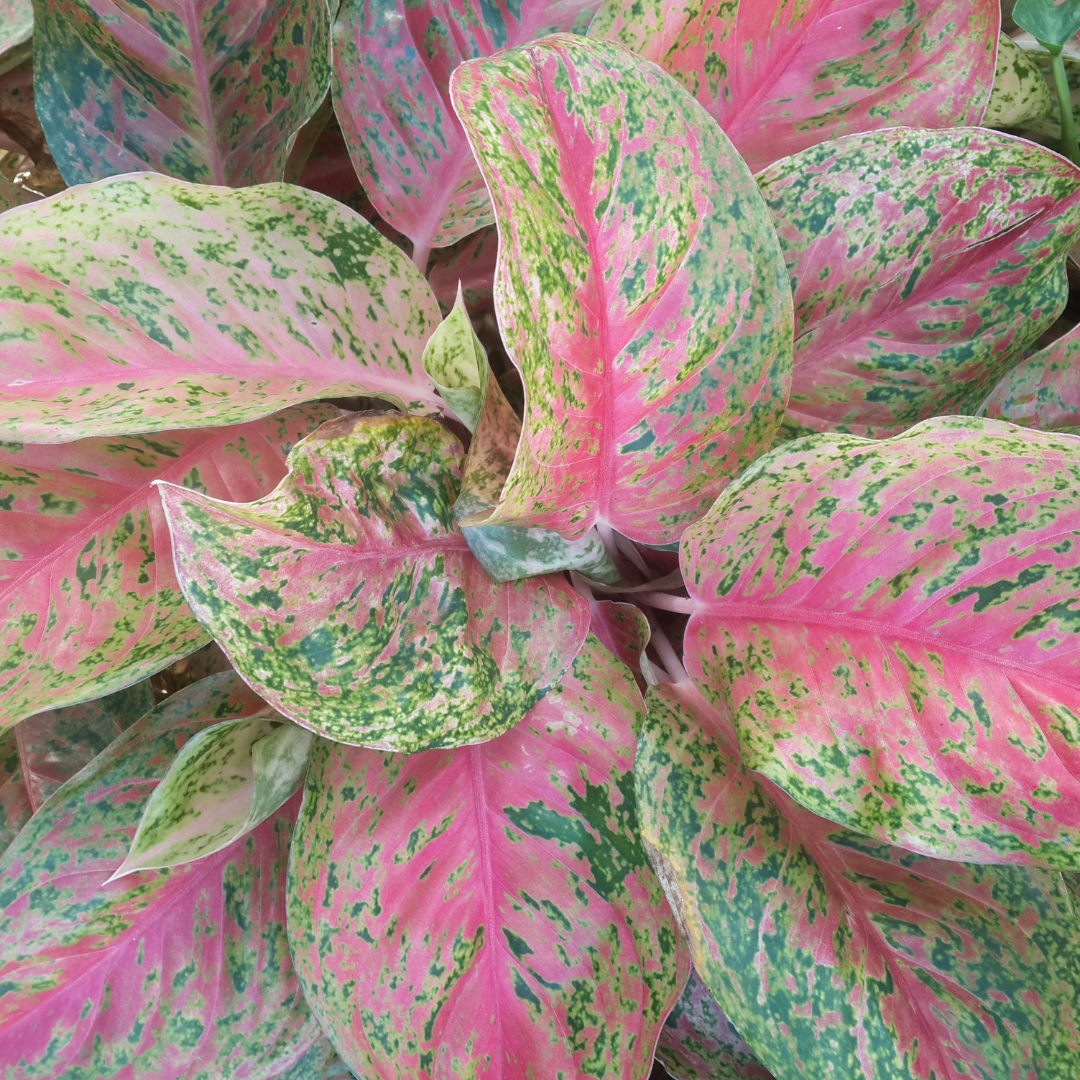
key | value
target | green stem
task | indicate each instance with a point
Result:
(1068, 121)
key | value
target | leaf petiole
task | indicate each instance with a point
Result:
(1068, 121)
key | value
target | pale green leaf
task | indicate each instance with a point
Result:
(457, 364)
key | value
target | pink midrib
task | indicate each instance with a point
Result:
(200, 75)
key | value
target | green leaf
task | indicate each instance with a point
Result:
(141, 303)
(226, 780)
(639, 289)
(895, 629)
(350, 601)
(1052, 22)
(835, 955)
(1020, 94)
(488, 910)
(204, 91)
(458, 364)
(923, 264)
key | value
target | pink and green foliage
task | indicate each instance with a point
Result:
(488, 911)
(88, 596)
(471, 264)
(1044, 391)
(894, 628)
(392, 65)
(203, 90)
(779, 77)
(349, 599)
(698, 1042)
(614, 192)
(178, 973)
(16, 32)
(15, 807)
(233, 305)
(836, 955)
(923, 264)
(54, 745)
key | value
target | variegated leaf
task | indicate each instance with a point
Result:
(837, 956)
(183, 973)
(922, 264)
(1044, 391)
(1021, 95)
(89, 602)
(512, 552)
(16, 32)
(624, 631)
(779, 77)
(698, 1042)
(640, 290)
(349, 600)
(15, 807)
(894, 627)
(207, 91)
(392, 65)
(458, 365)
(55, 745)
(225, 781)
(141, 303)
(470, 265)
(488, 911)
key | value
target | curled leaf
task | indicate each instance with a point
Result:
(1020, 94)
(225, 781)
(836, 955)
(488, 910)
(779, 77)
(894, 628)
(89, 602)
(1044, 391)
(176, 973)
(923, 264)
(141, 303)
(350, 601)
(457, 364)
(650, 320)
(206, 92)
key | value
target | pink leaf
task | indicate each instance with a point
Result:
(1044, 391)
(923, 264)
(835, 955)
(640, 289)
(488, 911)
(392, 67)
(349, 599)
(208, 91)
(780, 77)
(894, 627)
(142, 303)
(171, 974)
(88, 596)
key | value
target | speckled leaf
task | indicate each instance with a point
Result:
(210, 91)
(16, 32)
(837, 956)
(226, 780)
(922, 264)
(1044, 391)
(89, 602)
(470, 264)
(1020, 95)
(55, 745)
(780, 77)
(141, 303)
(183, 973)
(894, 628)
(15, 808)
(624, 630)
(1053, 22)
(392, 66)
(488, 911)
(457, 364)
(512, 552)
(698, 1042)
(640, 290)
(350, 601)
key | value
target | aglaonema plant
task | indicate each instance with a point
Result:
(595, 592)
